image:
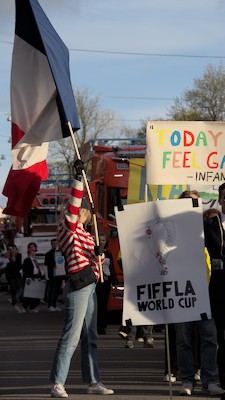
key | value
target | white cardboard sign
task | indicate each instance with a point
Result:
(34, 289)
(162, 247)
(185, 152)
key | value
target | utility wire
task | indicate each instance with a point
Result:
(127, 53)
(133, 53)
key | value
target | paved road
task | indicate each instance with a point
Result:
(27, 344)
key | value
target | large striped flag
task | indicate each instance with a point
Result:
(42, 103)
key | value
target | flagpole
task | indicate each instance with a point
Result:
(90, 198)
(166, 328)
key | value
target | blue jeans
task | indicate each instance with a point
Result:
(208, 351)
(80, 323)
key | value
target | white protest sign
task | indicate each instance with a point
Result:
(34, 289)
(185, 152)
(162, 247)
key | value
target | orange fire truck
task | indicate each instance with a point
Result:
(109, 188)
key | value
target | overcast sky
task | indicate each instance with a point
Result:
(137, 55)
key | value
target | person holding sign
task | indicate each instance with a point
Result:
(55, 268)
(82, 258)
(31, 274)
(214, 229)
(208, 348)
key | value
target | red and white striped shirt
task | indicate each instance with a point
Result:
(76, 243)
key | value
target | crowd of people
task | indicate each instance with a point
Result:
(196, 348)
(30, 276)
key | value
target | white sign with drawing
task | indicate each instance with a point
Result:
(162, 247)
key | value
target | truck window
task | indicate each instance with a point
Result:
(44, 217)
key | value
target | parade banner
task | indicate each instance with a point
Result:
(185, 152)
(164, 266)
(137, 183)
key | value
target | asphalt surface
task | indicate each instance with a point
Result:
(27, 345)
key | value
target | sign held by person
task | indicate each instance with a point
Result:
(185, 152)
(162, 247)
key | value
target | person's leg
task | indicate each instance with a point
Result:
(140, 333)
(75, 312)
(172, 351)
(221, 354)
(50, 292)
(184, 351)
(196, 351)
(32, 303)
(147, 334)
(57, 284)
(13, 290)
(208, 343)
(46, 291)
(131, 335)
(219, 318)
(107, 289)
(123, 331)
(89, 363)
(102, 291)
(19, 291)
(26, 303)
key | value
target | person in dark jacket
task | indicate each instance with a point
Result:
(207, 337)
(31, 270)
(214, 230)
(13, 274)
(53, 260)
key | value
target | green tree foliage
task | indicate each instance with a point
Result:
(206, 101)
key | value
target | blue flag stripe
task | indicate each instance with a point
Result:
(33, 26)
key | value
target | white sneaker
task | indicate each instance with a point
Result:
(58, 309)
(187, 389)
(122, 334)
(98, 388)
(213, 389)
(149, 343)
(170, 378)
(52, 309)
(58, 391)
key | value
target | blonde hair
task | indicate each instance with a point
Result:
(86, 213)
